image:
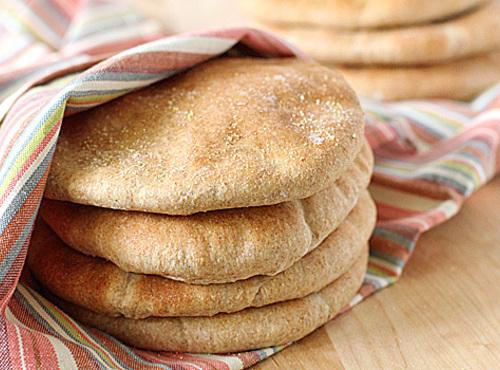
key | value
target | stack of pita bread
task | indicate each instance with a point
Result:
(223, 209)
(395, 49)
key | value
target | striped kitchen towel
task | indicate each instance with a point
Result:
(60, 57)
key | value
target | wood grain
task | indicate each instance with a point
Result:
(444, 313)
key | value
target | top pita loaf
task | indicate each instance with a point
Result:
(233, 132)
(355, 13)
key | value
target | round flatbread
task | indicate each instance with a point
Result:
(71, 276)
(468, 35)
(354, 14)
(212, 247)
(229, 133)
(252, 328)
(463, 79)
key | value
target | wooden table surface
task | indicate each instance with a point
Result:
(444, 313)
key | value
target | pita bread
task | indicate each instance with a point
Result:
(212, 247)
(465, 36)
(252, 328)
(354, 14)
(463, 79)
(229, 133)
(71, 276)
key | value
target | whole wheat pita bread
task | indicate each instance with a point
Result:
(71, 276)
(252, 328)
(229, 133)
(468, 35)
(354, 14)
(212, 247)
(463, 79)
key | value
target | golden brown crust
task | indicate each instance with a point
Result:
(462, 79)
(355, 14)
(468, 35)
(229, 133)
(212, 247)
(271, 325)
(72, 276)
